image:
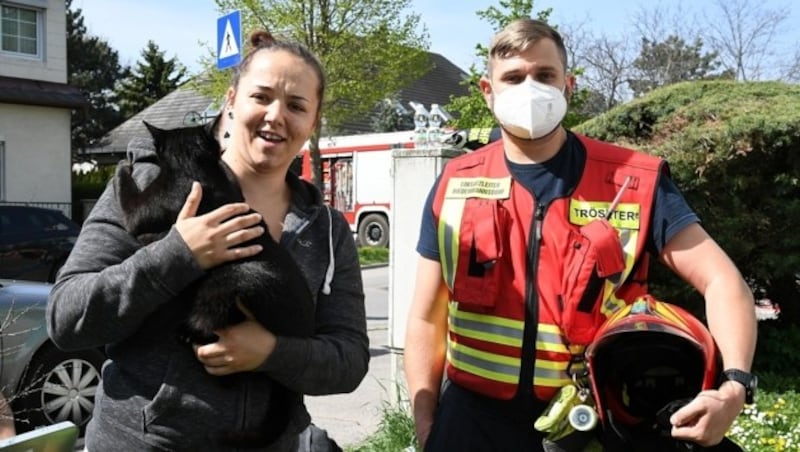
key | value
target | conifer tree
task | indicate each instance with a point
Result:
(153, 78)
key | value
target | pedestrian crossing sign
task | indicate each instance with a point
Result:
(229, 40)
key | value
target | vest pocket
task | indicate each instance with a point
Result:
(480, 248)
(593, 256)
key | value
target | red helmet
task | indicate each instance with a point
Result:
(647, 355)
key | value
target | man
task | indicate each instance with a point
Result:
(499, 275)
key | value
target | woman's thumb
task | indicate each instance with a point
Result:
(189, 208)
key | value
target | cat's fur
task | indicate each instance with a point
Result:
(270, 284)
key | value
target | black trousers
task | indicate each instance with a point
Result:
(468, 422)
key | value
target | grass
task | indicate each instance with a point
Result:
(369, 255)
(395, 432)
(772, 424)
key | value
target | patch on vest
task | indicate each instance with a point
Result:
(478, 187)
(625, 216)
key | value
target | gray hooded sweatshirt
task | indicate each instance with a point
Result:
(155, 395)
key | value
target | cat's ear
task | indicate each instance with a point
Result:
(155, 132)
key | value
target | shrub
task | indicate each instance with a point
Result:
(373, 255)
(734, 150)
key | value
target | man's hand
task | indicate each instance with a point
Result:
(707, 418)
(214, 237)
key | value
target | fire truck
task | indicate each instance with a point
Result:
(357, 180)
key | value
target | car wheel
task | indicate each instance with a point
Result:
(58, 386)
(373, 230)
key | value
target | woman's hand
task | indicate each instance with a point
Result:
(214, 237)
(240, 348)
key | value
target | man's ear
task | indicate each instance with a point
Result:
(569, 86)
(486, 89)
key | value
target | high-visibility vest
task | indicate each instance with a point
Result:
(502, 253)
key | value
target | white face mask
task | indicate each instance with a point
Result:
(530, 109)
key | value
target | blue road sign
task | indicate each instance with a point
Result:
(229, 40)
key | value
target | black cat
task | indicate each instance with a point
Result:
(269, 284)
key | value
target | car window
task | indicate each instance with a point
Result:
(51, 221)
(13, 221)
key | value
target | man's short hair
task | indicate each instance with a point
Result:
(521, 33)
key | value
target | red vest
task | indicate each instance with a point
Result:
(502, 253)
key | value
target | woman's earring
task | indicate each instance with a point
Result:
(230, 114)
(226, 134)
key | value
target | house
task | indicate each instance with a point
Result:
(185, 106)
(35, 103)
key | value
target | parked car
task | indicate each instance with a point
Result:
(44, 384)
(34, 242)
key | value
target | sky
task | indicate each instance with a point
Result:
(187, 28)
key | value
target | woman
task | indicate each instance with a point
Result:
(160, 394)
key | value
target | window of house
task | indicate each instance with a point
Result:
(19, 30)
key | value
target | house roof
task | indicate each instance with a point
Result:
(184, 104)
(180, 108)
(36, 92)
(435, 87)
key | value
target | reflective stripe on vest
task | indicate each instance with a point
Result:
(508, 332)
(553, 372)
(449, 231)
(490, 329)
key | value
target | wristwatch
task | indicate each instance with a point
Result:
(746, 379)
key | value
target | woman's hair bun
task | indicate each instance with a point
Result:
(261, 38)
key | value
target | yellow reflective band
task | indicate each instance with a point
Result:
(493, 319)
(554, 373)
(550, 339)
(487, 365)
(551, 382)
(612, 304)
(478, 187)
(498, 330)
(560, 366)
(625, 216)
(449, 233)
(549, 328)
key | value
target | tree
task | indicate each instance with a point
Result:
(607, 65)
(392, 117)
(153, 78)
(93, 67)
(745, 37)
(671, 61)
(369, 49)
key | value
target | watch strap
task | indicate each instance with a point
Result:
(746, 379)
